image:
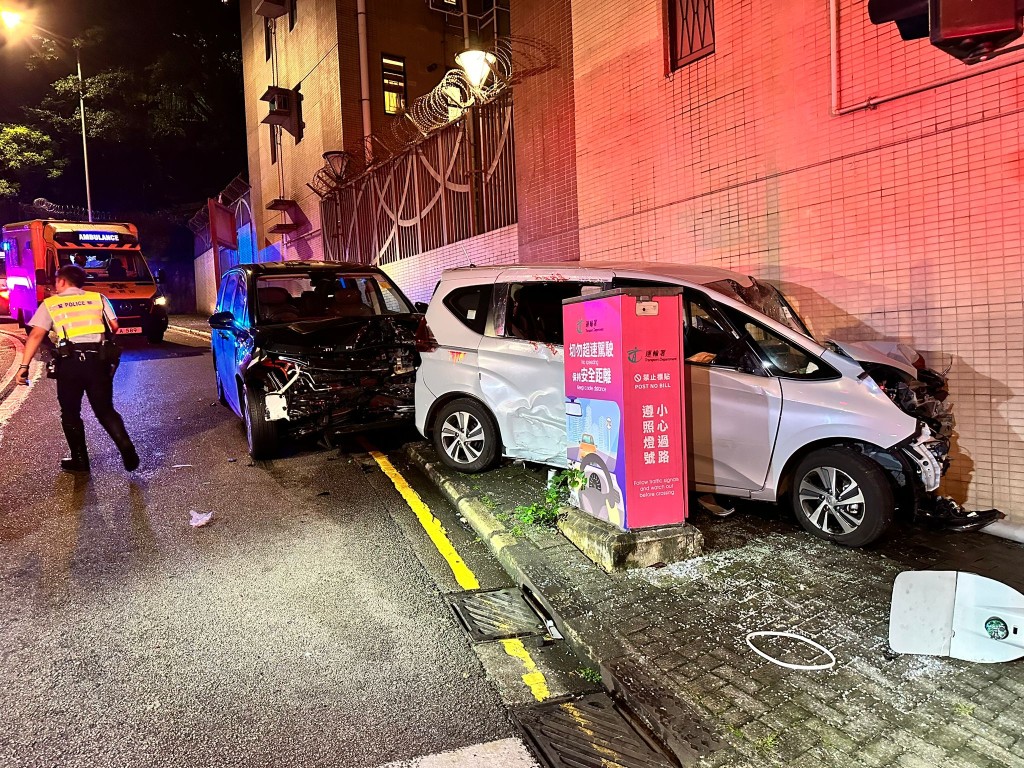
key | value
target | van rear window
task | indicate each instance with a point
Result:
(470, 305)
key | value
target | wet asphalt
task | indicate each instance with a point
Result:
(305, 625)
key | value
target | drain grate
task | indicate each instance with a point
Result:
(496, 614)
(591, 732)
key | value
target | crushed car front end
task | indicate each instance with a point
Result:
(337, 376)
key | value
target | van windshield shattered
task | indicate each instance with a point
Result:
(766, 299)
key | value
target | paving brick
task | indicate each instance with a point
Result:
(879, 752)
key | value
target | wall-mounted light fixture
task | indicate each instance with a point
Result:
(476, 65)
(337, 162)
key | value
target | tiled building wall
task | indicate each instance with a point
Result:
(306, 58)
(545, 136)
(900, 222)
(417, 276)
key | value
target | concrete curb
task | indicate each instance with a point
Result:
(189, 331)
(624, 671)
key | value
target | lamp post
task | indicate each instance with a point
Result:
(14, 20)
(81, 111)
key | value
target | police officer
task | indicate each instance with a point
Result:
(80, 319)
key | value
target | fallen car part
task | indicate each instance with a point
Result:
(942, 512)
(956, 614)
(792, 636)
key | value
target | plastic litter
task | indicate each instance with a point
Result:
(198, 519)
(181, 466)
(793, 636)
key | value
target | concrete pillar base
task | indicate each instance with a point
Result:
(617, 550)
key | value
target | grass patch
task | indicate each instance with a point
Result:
(544, 512)
(963, 709)
(589, 674)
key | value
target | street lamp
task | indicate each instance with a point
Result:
(13, 20)
(477, 66)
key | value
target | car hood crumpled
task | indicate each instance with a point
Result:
(339, 336)
(915, 381)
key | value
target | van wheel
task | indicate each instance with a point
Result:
(465, 436)
(260, 431)
(842, 496)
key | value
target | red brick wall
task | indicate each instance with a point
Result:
(545, 133)
(897, 222)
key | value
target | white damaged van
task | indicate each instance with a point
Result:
(774, 414)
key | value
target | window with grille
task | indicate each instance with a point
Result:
(393, 68)
(691, 31)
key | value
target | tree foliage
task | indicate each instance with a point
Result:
(27, 156)
(163, 103)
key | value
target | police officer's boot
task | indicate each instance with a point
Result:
(79, 459)
(124, 444)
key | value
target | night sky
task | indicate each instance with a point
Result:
(198, 39)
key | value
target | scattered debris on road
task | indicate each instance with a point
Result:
(198, 519)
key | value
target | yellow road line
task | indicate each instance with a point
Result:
(433, 527)
(533, 678)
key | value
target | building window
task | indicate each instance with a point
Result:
(291, 14)
(691, 31)
(273, 144)
(393, 68)
(268, 37)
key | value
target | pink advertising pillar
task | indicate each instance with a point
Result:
(626, 405)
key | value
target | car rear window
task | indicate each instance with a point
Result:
(470, 305)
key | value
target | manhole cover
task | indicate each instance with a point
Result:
(591, 732)
(497, 614)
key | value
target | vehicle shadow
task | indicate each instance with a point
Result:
(971, 393)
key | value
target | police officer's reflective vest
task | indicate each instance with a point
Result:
(76, 316)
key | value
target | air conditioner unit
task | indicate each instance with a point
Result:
(271, 9)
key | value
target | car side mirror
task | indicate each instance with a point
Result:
(161, 276)
(222, 321)
(421, 307)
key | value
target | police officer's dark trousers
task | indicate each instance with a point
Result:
(82, 373)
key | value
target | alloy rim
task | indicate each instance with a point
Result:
(462, 437)
(832, 500)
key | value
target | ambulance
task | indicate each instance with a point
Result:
(109, 253)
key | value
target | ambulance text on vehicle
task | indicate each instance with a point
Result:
(109, 253)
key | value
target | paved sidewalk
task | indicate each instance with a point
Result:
(672, 640)
(192, 325)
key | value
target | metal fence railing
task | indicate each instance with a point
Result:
(456, 183)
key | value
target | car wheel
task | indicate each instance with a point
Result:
(465, 436)
(260, 431)
(842, 496)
